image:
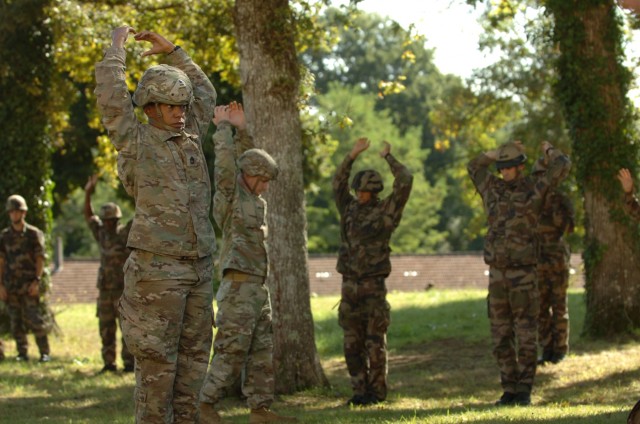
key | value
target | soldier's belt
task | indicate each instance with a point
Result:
(242, 277)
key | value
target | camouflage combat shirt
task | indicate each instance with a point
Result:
(366, 229)
(113, 253)
(240, 214)
(19, 249)
(513, 208)
(556, 218)
(165, 172)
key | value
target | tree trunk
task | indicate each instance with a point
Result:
(270, 81)
(592, 86)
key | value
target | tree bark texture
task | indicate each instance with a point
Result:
(270, 82)
(592, 86)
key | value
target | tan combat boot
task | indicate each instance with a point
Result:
(208, 414)
(264, 415)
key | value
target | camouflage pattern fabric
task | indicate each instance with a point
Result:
(166, 317)
(245, 335)
(107, 313)
(513, 208)
(26, 313)
(364, 315)
(513, 312)
(366, 229)
(166, 306)
(238, 212)
(244, 339)
(113, 254)
(1, 350)
(511, 251)
(165, 172)
(632, 206)
(557, 217)
(364, 263)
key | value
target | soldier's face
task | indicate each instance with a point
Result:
(363, 196)
(17, 216)
(171, 115)
(257, 184)
(111, 224)
(511, 173)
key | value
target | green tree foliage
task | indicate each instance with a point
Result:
(26, 75)
(352, 114)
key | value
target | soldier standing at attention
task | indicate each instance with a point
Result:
(556, 218)
(513, 204)
(22, 254)
(112, 240)
(166, 306)
(244, 337)
(367, 223)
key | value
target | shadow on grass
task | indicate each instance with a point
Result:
(57, 394)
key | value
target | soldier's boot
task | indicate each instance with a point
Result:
(208, 414)
(506, 399)
(108, 368)
(264, 415)
(357, 400)
(546, 357)
(522, 399)
(557, 357)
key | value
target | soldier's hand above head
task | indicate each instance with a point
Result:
(91, 183)
(492, 154)
(624, 176)
(221, 113)
(545, 146)
(360, 146)
(386, 149)
(236, 115)
(119, 35)
(34, 289)
(159, 43)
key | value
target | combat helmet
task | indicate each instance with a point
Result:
(163, 84)
(509, 155)
(110, 211)
(257, 162)
(15, 202)
(367, 180)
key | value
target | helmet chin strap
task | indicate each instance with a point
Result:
(160, 123)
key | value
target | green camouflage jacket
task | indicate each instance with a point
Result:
(513, 209)
(240, 214)
(166, 173)
(19, 251)
(366, 229)
(113, 253)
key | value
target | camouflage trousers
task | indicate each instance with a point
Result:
(27, 313)
(364, 316)
(107, 313)
(166, 315)
(244, 339)
(553, 323)
(514, 304)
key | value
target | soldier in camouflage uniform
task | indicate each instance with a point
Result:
(556, 219)
(513, 204)
(166, 306)
(245, 335)
(22, 255)
(112, 240)
(367, 223)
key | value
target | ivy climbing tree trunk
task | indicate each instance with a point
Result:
(270, 82)
(592, 87)
(26, 63)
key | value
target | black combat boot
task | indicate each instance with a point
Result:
(522, 399)
(506, 399)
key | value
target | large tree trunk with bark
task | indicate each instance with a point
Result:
(593, 85)
(270, 82)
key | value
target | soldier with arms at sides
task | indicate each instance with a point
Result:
(22, 256)
(166, 306)
(367, 223)
(112, 241)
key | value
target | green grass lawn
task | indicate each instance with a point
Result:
(440, 371)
